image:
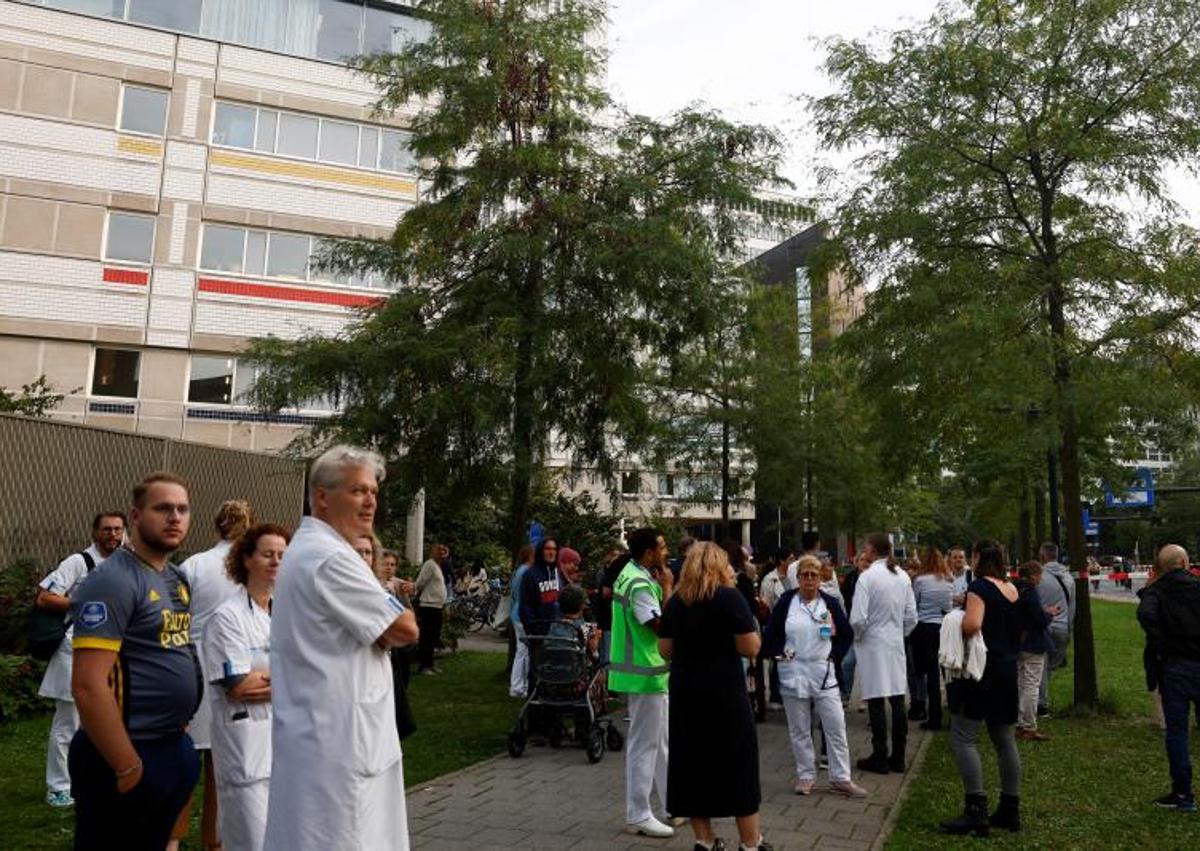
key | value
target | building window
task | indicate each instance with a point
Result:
(211, 380)
(308, 137)
(631, 483)
(130, 238)
(179, 15)
(144, 110)
(116, 373)
(666, 484)
(389, 31)
(276, 254)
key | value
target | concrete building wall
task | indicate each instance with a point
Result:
(80, 172)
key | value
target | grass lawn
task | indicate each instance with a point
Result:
(1091, 786)
(462, 717)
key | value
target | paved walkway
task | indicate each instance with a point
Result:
(551, 799)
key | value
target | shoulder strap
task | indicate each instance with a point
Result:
(1063, 586)
(88, 560)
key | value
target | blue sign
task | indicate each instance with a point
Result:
(536, 532)
(1140, 494)
(1091, 527)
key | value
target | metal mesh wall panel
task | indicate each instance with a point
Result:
(55, 476)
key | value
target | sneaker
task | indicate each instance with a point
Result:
(60, 798)
(1182, 803)
(718, 844)
(803, 787)
(762, 845)
(848, 788)
(651, 827)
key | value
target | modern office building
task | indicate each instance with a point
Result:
(166, 169)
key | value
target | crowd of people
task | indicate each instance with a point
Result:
(276, 663)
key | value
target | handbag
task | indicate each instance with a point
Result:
(48, 629)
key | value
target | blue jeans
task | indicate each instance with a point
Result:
(1180, 689)
(849, 663)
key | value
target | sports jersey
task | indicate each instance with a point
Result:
(142, 614)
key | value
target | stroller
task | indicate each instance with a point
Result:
(564, 684)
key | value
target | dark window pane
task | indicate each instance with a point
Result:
(287, 256)
(340, 24)
(211, 381)
(182, 15)
(115, 373)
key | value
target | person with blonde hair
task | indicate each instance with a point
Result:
(707, 629)
(210, 587)
(933, 591)
(808, 634)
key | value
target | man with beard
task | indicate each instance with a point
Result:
(136, 681)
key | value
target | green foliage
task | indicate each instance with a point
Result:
(34, 400)
(561, 251)
(20, 677)
(576, 521)
(18, 589)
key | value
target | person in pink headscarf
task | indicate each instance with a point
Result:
(568, 567)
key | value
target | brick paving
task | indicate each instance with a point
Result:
(552, 799)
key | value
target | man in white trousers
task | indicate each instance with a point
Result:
(639, 671)
(337, 773)
(54, 595)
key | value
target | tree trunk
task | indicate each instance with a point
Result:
(521, 481)
(725, 477)
(1024, 520)
(1039, 513)
(1086, 689)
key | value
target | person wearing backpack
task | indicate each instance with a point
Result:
(1056, 591)
(54, 597)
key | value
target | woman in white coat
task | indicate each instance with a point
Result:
(237, 666)
(884, 612)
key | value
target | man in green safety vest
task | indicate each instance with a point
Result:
(639, 671)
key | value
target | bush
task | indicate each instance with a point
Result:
(18, 589)
(20, 677)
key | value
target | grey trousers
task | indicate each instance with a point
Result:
(1055, 659)
(964, 736)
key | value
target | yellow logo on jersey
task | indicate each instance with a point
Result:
(184, 595)
(154, 597)
(176, 629)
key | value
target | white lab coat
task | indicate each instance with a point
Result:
(237, 640)
(337, 774)
(885, 611)
(209, 586)
(63, 580)
(806, 669)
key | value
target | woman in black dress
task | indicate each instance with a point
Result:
(996, 610)
(706, 631)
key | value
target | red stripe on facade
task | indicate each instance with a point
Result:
(136, 277)
(253, 290)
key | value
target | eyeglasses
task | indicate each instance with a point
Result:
(808, 574)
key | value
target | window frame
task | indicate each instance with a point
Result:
(362, 128)
(91, 386)
(166, 93)
(311, 275)
(104, 255)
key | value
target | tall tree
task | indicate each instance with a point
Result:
(560, 250)
(1016, 214)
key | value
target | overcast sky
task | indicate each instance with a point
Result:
(752, 59)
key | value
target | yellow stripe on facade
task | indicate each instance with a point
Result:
(309, 171)
(135, 145)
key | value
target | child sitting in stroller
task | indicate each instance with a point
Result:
(571, 601)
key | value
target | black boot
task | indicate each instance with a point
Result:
(916, 712)
(973, 820)
(1008, 813)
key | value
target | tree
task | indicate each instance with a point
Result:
(560, 251)
(1006, 140)
(35, 400)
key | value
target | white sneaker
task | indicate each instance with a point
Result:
(651, 827)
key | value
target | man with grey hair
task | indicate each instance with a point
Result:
(1170, 615)
(1056, 592)
(337, 774)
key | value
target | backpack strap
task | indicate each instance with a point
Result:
(88, 560)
